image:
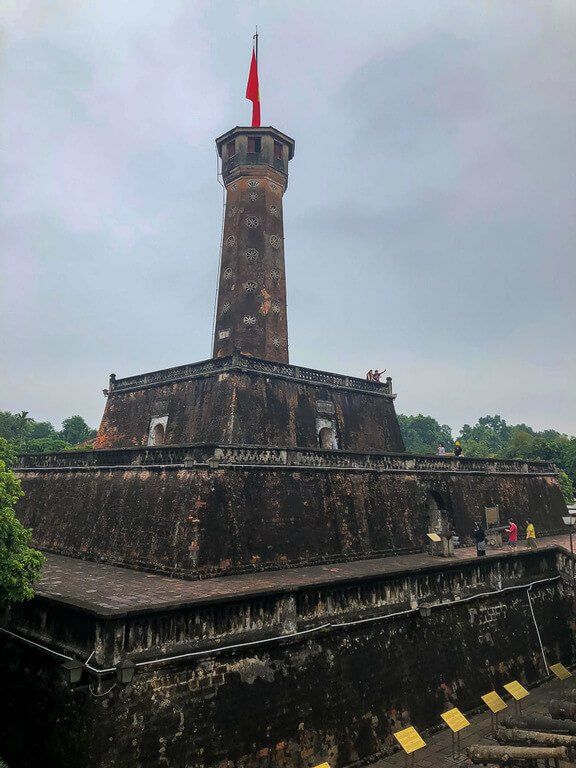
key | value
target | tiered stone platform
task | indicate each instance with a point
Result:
(257, 669)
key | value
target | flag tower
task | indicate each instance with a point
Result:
(251, 305)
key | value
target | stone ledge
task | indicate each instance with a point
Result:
(115, 592)
(220, 457)
(247, 364)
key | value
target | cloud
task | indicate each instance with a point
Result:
(429, 217)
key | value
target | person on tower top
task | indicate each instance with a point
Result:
(376, 375)
(512, 532)
(370, 375)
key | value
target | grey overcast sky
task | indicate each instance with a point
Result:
(430, 216)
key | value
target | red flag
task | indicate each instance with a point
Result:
(253, 91)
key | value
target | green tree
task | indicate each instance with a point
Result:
(15, 427)
(19, 564)
(423, 434)
(566, 486)
(46, 445)
(41, 430)
(75, 430)
(487, 437)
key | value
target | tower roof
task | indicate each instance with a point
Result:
(265, 130)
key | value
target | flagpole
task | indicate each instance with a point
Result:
(255, 37)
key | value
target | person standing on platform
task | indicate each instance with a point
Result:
(370, 375)
(480, 537)
(457, 448)
(512, 532)
(530, 535)
(441, 450)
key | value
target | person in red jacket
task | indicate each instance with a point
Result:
(512, 532)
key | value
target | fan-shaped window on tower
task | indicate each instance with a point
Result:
(250, 286)
(252, 254)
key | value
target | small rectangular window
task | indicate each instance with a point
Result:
(231, 149)
(277, 150)
(254, 144)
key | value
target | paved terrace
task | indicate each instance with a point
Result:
(108, 590)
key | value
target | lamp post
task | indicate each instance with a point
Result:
(425, 610)
(72, 671)
(125, 671)
(570, 521)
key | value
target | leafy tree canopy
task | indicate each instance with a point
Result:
(423, 434)
(492, 437)
(19, 564)
(75, 430)
(29, 436)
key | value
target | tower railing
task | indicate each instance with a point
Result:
(239, 362)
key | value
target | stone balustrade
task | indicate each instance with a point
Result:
(221, 456)
(239, 362)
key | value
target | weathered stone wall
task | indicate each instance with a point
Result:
(336, 694)
(197, 521)
(251, 408)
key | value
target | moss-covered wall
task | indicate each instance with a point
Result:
(195, 521)
(333, 695)
(234, 408)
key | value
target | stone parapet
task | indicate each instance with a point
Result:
(245, 363)
(213, 456)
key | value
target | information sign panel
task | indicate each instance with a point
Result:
(560, 671)
(410, 740)
(455, 720)
(494, 703)
(516, 690)
(433, 537)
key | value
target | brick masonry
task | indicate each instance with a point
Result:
(198, 522)
(336, 694)
(238, 407)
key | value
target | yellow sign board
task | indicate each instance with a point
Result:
(516, 690)
(492, 515)
(322, 765)
(494, 703)
(455, 720)
(410, 740)
(433, 537)
(560, 671)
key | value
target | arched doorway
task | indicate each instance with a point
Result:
(439, 517)
(159, 434)
(157, 430)
(326, 438)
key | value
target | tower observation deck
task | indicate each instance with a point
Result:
(251, 314)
